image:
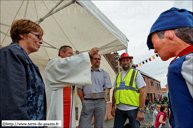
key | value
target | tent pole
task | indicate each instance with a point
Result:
(26, 9)
(5, 34)
(41, 45)
(73, 1)
(126, 50)
(5, 24)
(118, 67)
(38, 21)
(51, 12)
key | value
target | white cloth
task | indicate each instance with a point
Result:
(139, 82)
(187, 71)
(64, 72)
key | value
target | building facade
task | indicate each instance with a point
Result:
(153, 88)
(165, 91)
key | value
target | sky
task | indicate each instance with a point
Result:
(134, 19)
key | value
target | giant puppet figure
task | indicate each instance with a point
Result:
(172, 36)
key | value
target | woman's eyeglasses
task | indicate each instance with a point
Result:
(96, 58)
(37, 35)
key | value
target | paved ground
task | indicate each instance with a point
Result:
(108, 124)
(147, 122)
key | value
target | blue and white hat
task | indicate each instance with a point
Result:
(171, 19)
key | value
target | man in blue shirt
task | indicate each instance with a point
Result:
(172, 36)
(100, 82)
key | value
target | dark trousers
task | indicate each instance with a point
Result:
(121, 116)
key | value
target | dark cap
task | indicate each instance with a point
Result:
(171, 19)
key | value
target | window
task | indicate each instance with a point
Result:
(144, 78)
(152, 83)
(157, 86)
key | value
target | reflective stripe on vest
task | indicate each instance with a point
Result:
(130, 95)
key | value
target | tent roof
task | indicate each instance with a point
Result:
(79, 24)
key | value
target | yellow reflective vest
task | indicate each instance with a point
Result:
(129, 95)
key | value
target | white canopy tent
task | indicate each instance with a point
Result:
(77, 23)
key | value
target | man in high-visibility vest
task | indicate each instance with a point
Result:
(128, 94)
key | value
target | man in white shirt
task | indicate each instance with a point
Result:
(129, 95)
(60, 75)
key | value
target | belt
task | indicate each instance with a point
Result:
(93, 99)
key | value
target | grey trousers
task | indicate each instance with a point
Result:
(90, 107)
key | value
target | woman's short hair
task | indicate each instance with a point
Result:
(24, 26)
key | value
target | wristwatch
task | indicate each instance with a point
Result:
(113, 106)
(140, 109)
